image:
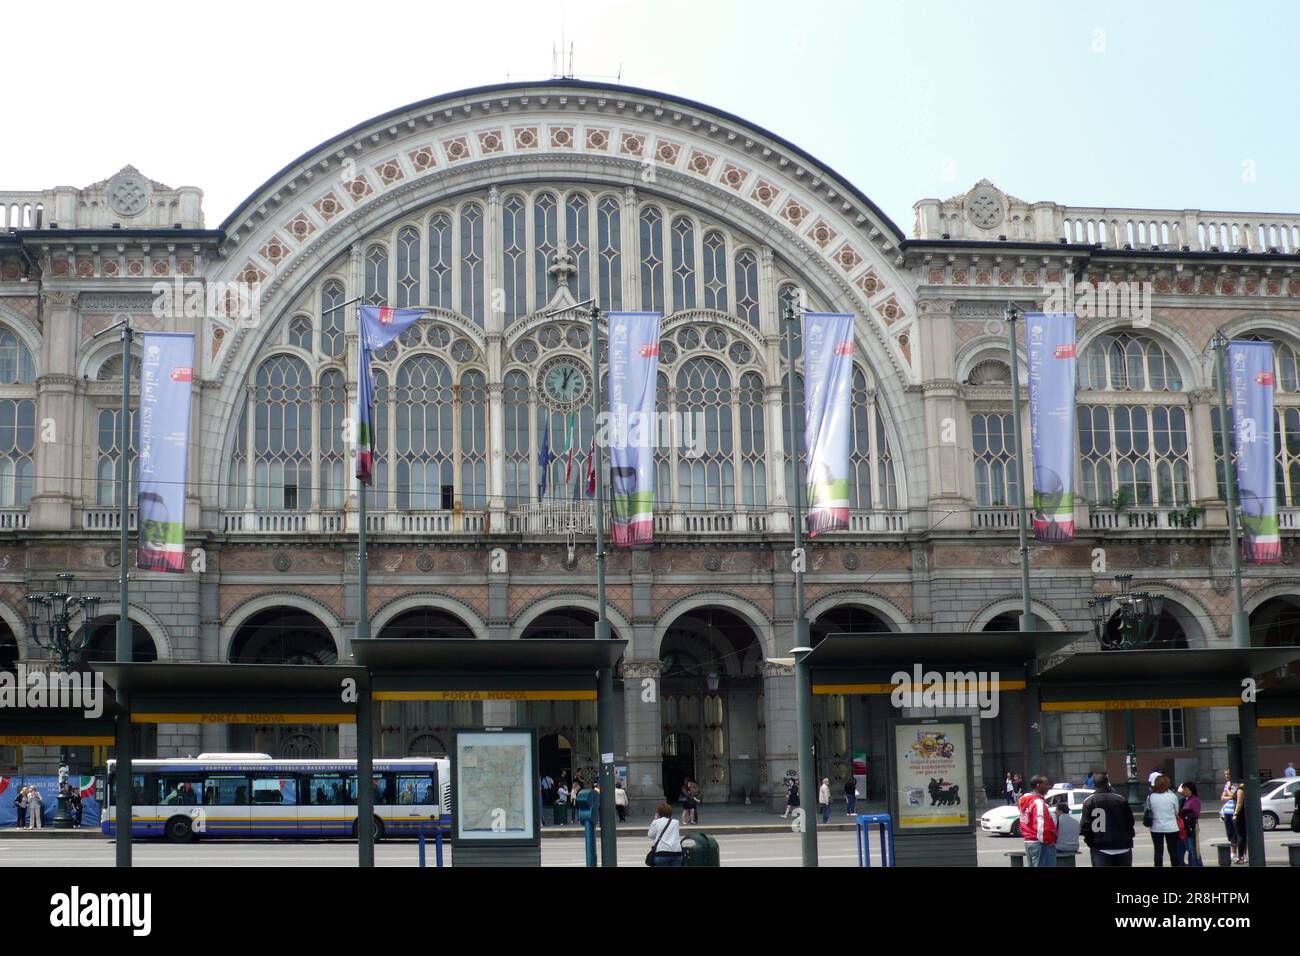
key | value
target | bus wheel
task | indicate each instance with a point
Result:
(179, 830)
(376, 832)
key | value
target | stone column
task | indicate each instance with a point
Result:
(496, 445)
(56, 460)
(773, 397)
(779, 721)
(1205, 486)
(494, 297)
(643, 736)
(629, 236)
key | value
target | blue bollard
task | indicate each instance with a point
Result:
(421, 844)
(864, 822)
(437, 847)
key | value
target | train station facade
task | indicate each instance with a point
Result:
(498, 208)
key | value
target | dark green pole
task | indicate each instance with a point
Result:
(605, 676)
(123, 794)
(1026, 487)
(365, 714)
(1240, 620)
(802, 640)
(1246, 718)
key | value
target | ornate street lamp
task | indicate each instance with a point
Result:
(1127, 621)
(49, 619)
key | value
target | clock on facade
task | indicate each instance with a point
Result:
(564, 382)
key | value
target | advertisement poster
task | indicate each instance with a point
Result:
(166, 383)
(932, 774)
(1052, 354)
(494, 786)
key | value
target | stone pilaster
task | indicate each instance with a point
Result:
(781, 752)
(643, 729)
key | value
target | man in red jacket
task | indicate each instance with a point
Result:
(1037, 825)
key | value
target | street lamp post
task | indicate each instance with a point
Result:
(50, 614)
(802, 641)
(1136, 619)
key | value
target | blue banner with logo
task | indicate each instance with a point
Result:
(1053, 356)
(166, 381)
(633, 380)
(828, 417)
(1253, 378)
(48, 784)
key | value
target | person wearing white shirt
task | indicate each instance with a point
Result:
(1290, 770)
(665, 838)
(1163, 804)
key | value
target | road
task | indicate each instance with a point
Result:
(749, 849)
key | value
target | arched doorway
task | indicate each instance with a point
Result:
(8, 662)
(417, 728)
(1276, 622)
(566, 729)
(284, 635)
(843, 742)
(1010, 621)
(711, 705)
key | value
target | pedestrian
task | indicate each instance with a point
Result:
(694, 787)
(1067, 828)
(1228, 788)
(74, 800)
(1151, 780)
(1089, 782)
(665, 839)
(687, 800)
(1017, 785)
(548, 789)
(20, 808)
(851, 795)
(1161, 817)
(824, 799)
(1228, 814)
(1239, 820)
(1107, 825)
(1290, 770)
(35, 808)
(578, 785)
(791, 797)
(1190, 813)
(1009, 789)
(1036, 824)
(620, 801)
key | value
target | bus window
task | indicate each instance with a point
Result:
(416, 789)
(180, 791)
(141, 795)
(225, 791)
(327, 790)
(282, 791)
(383, 789)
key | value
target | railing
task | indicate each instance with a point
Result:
(878, 522)
(21, 210)
(1144, 519)
(105, 519)
(1173, 229)
(13, 519)
(554, 517)
(995, 518)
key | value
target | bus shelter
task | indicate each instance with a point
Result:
(168, 692)
(933, 823)
(1180, 678)
(451, 669)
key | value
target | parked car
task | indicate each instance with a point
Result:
(1005, 821)
(1277, 801)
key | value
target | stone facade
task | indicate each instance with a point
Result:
(470, 205)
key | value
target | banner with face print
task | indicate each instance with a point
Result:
(1253, 378)
(1051, 348)
(633, 380)
(828, 417)
(166, 380)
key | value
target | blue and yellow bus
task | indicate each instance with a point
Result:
(253, 795)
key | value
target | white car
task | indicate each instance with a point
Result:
(1277, 801)
(1005, 821)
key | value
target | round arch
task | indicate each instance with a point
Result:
(253, 606)
(161, 640)
(20, 326)
(1164, 333)
(1198, 627)
(531, 612)
(983, 348)
(882, 607)
(428, 599)
(17, 627)
(1044, 612)
(745, 610)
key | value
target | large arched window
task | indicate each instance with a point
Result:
(473, 441)
(609, 237)
(715, 271)
(424, 435)
(1128, 362)
(514, 258)
(377, 494)
(282, 434)
(546, 241)
(107, 491)
(376, 275)
(16, 365)
(706, 478)
(652, 259)
(753, 441)
(440, 258)
(747, 287)
(333, 455)
(518, 473)
(408, 267)
(577, 235)
(17, 442)
(471, 262)
(331, 317)
(993, 443)
(683, 243)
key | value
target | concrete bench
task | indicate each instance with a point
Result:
(1225, 851)
(1017, 857)
(1293, 853)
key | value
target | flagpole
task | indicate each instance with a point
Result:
(365, 757)
(1026, 610)
(802, 640)
(605, 676)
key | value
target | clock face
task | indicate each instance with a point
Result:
(565, 383)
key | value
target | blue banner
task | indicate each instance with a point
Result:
(1253, 379)
(166, 381)
(48, 785)
(1053, 356)
(828, 418)
(633, 381)
(377, 326)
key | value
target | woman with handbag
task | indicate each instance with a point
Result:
(665, 839)
(1190, 816)
(1161, 817)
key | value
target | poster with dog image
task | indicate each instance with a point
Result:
(932, 767)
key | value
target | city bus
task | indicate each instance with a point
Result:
(254, 795)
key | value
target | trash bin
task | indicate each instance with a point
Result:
(560, 814)
(700, 849)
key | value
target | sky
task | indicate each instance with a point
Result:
(1165, 105)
